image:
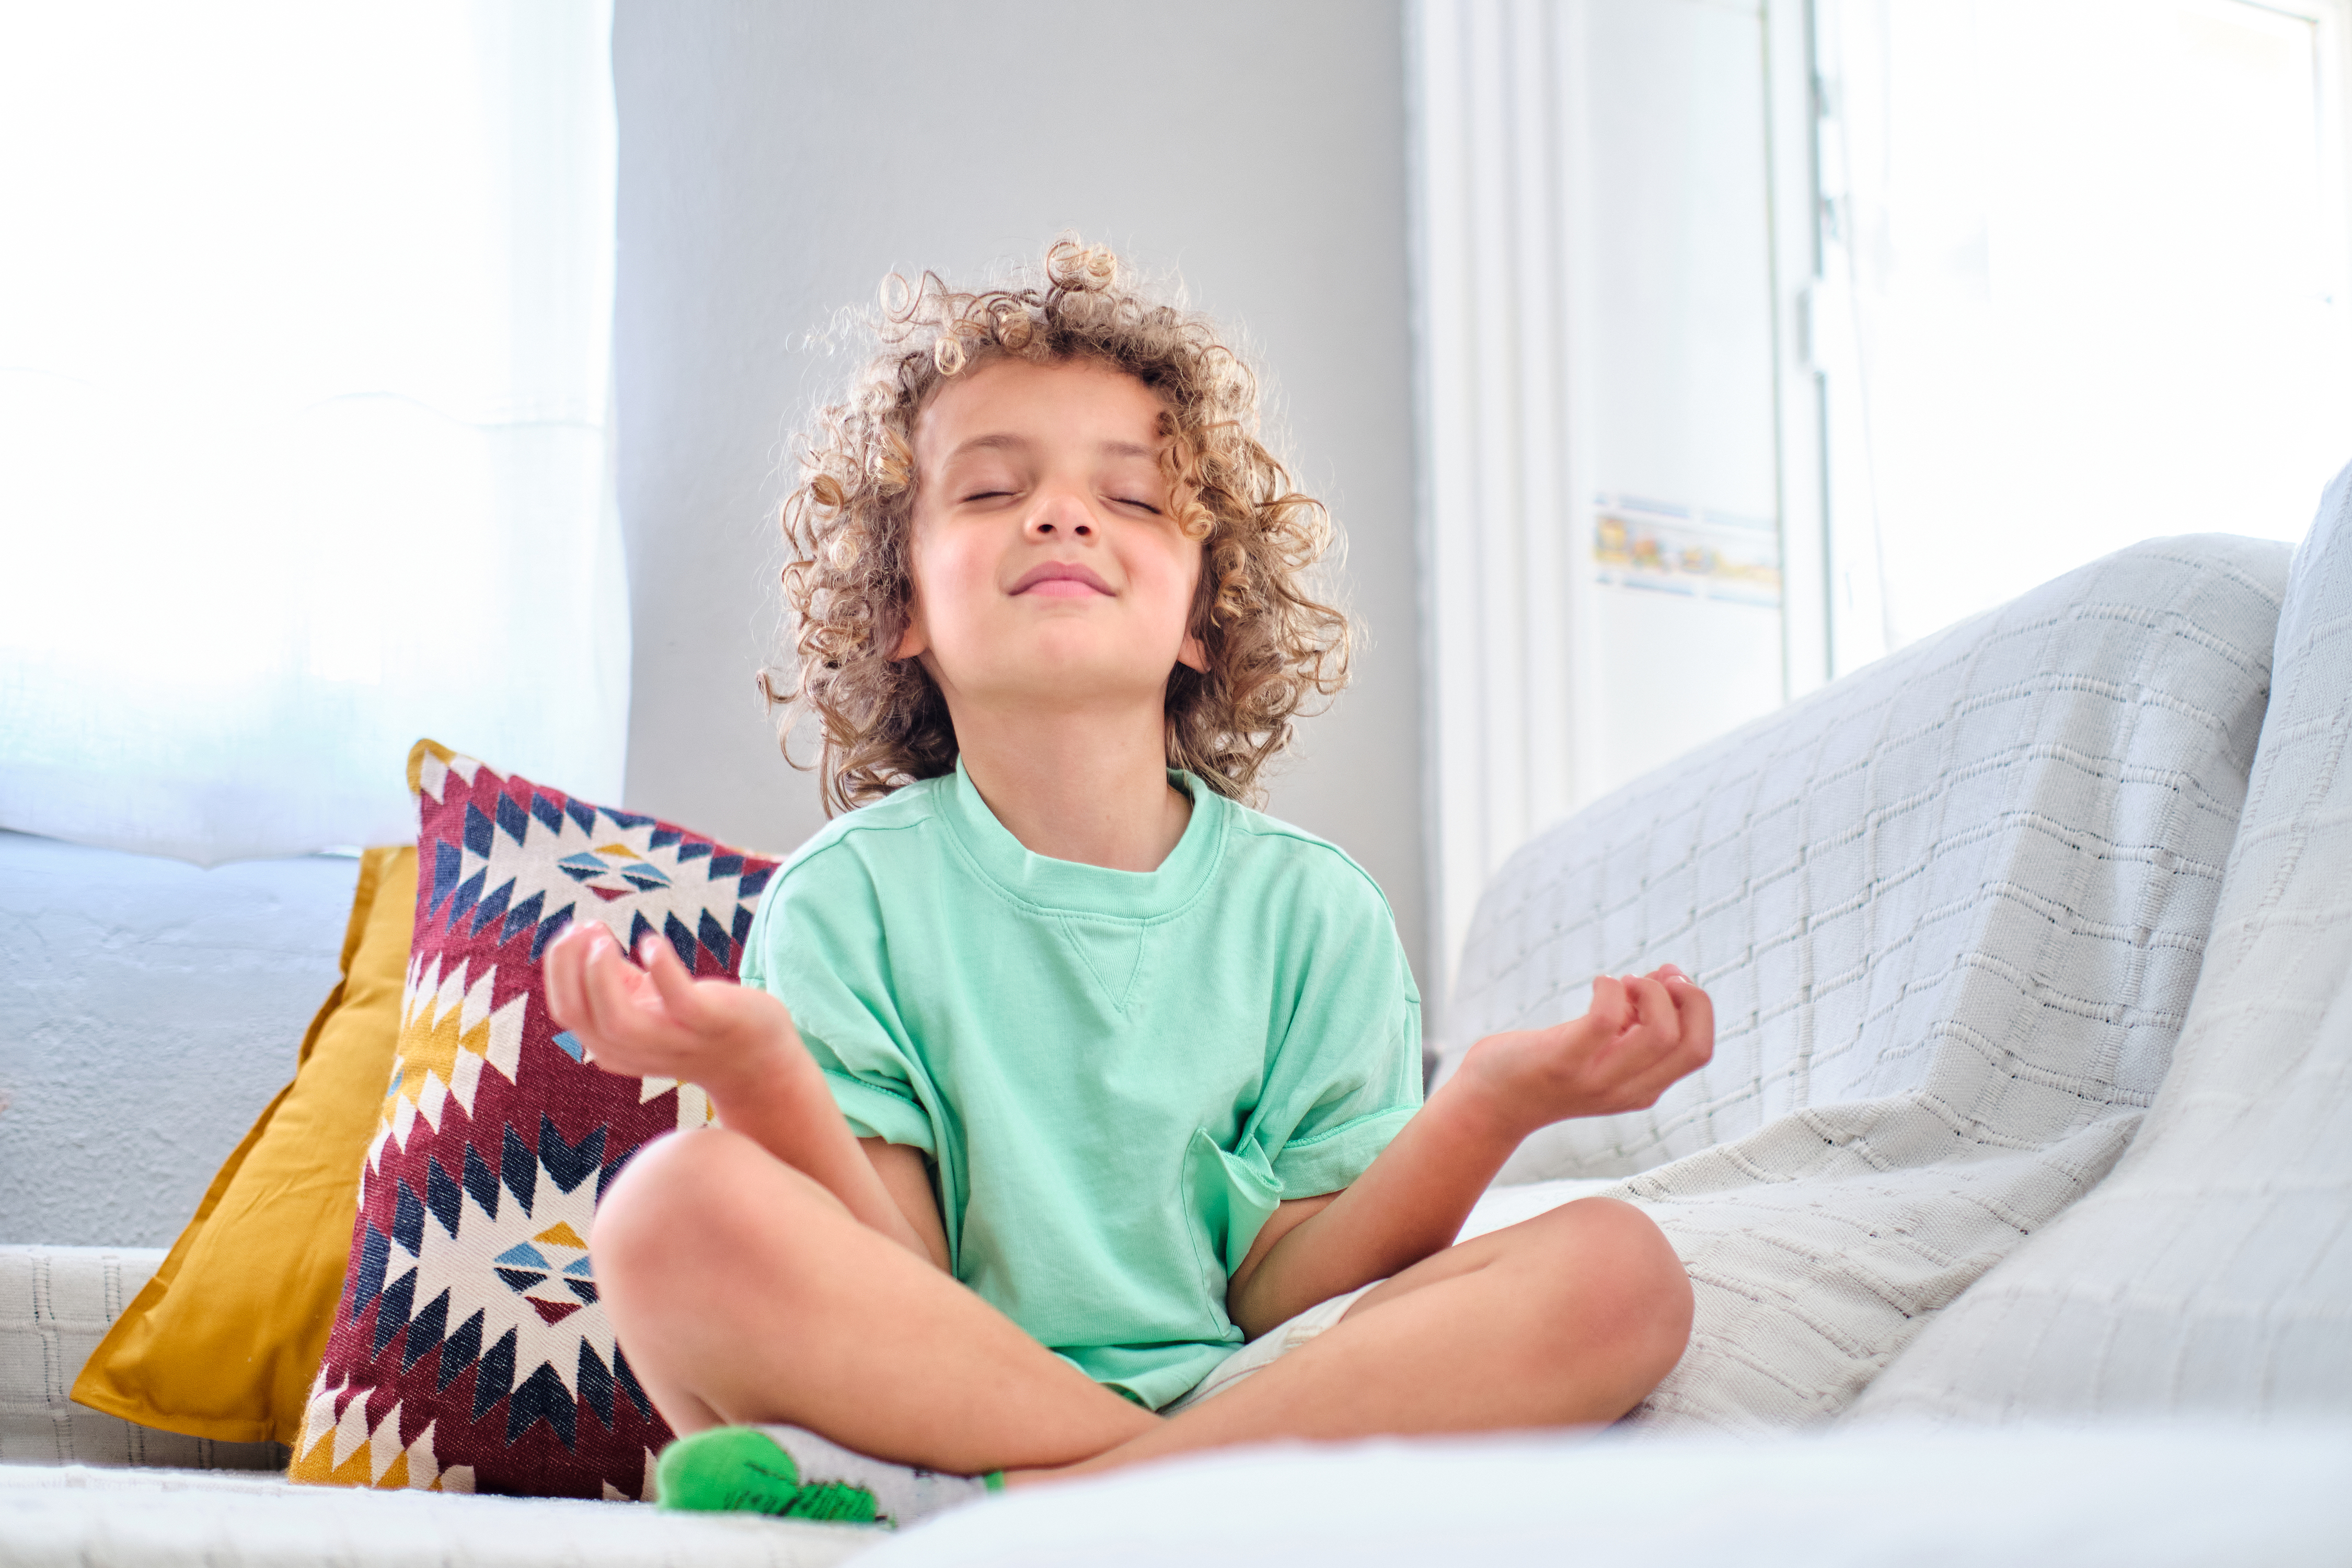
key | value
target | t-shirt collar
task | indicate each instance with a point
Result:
(1047, 883)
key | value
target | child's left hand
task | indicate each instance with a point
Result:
(1641, 1034)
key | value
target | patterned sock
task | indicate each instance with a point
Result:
(796, 1474)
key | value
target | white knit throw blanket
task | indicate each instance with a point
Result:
(2213, 1272)
(1951, 910)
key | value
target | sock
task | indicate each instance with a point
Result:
(796, 1474)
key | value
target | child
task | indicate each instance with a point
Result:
(1070, 1112)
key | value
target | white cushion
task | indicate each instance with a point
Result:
(1951, 909)
(2212, 1270)
(73, 1516)
(2159, 1498)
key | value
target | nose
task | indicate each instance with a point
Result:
(1059, 514)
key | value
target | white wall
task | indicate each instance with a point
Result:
(776, 159)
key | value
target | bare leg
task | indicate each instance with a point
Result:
(745, 1293)
(1566, 1319)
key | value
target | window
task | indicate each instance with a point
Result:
(2085, 283)
(1757, 338)
(304, 323)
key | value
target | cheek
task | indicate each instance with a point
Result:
(1190, 567)
(944, 569)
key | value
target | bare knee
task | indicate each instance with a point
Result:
(1628, 1293)
(686, 1205)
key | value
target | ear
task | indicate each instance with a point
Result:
(1193, 654)
(916, 639)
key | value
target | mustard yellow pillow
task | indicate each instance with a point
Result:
(224, 1340)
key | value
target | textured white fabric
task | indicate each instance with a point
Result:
(1951, 910)
(56, 1304)
(81, 1518)
(2159, 1498)
(56, 1508)
(2212, 1270)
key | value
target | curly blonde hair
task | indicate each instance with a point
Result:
(1275, 650)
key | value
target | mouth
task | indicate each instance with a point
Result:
(1061, 580)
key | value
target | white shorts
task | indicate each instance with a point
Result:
(1268, 1348)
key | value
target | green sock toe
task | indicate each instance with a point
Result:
(835, 1502)
(738, 1469)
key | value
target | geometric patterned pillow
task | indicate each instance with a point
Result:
(468, 1351)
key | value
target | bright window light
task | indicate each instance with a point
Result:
(2098, 288)
(304, 336)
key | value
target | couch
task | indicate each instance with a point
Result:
(2018, 1199)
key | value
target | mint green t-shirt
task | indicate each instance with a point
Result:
(1117, 1074)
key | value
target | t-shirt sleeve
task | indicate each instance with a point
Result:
(817, 944)
(1346, 1075)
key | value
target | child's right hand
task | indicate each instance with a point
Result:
(1642, 1032)
(659, 1021)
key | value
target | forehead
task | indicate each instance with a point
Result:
(1007, 404)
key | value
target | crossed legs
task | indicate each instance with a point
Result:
(744, 1293)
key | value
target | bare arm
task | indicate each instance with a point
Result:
(1641, 1035)
(738, 1044)
(907, 1176)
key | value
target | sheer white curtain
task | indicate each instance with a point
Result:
(304, 434)
(2087, 283)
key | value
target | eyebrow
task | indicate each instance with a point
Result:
(1015, 443)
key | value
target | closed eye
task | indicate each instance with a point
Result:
(1132, 501)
